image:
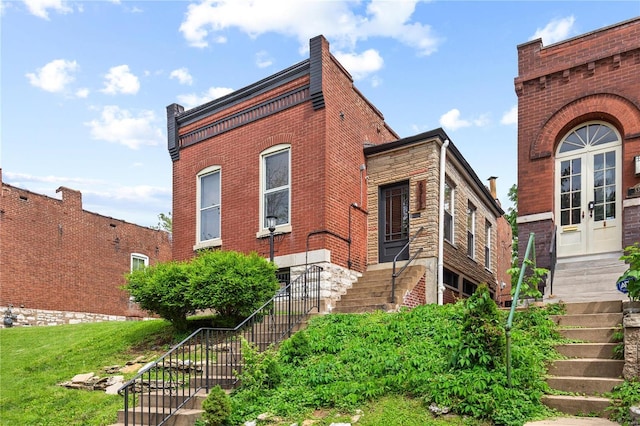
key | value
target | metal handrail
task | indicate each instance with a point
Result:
(213, 356)
(395, 259)
(514, 302)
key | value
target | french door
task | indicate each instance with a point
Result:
(588, 185)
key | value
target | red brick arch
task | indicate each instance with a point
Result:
(612, 108)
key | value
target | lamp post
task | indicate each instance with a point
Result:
(271, 225)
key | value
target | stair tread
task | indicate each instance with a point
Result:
(578, 397)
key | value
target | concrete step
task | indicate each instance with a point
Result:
(586, 367)
(592, 334)
(161, 399)
(583, 385)
(587, 350)
(153, 416)
(589, 320)
(360, 309)
(595, 307)
(578, 405)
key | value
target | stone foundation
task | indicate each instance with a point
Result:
(334, 281)
(39, 317)
(631, 323)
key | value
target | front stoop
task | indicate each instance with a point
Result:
(590, 369)
(372, 291)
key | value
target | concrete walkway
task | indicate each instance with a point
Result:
(573, 421)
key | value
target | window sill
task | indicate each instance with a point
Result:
(217, 242)
(282, 229)
(451, 244)
(472, 259)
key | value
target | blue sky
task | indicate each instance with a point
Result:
(84, 85)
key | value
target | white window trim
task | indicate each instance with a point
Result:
(452, 204)
(488, 239)
(285, 227)
(141, 256)
(472, 210)
(215, 242)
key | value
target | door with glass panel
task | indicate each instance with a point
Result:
(588, 184)
(393, 226)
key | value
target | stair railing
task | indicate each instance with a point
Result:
(514, 303)
(395, 259)
(213, 356)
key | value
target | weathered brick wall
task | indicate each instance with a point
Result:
(631, 222)
(455, 255)
(591, 77)
(326, 154)
(56, 256)
(415, 297)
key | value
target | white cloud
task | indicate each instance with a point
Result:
(555, 31)
(451, 120)
(360, 65)
(82, 93)
(40, 8)
(20, 179)
(120, 126)
(54, 76)
(121, 80)
(183, 76)
(263, 59)
(511, 116)
(191, 100)
(338, 20)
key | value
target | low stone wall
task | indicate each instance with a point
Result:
(334, 281)
(38, 317)
(631, 323)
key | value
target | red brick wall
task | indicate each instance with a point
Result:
(417, 296)
(326, 152)
(56, 256)
(592, 77)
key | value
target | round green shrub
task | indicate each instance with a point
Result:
(217, 407)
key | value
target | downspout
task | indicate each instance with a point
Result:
(443, 157)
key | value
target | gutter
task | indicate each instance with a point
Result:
(443, 158)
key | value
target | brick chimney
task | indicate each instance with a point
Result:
(492, 187)
(71, 198)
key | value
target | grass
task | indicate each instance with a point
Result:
(34, 360)
(385, 365)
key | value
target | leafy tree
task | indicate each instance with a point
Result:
(231, 283)
(512, 218)
(165, 222)
(162, 289)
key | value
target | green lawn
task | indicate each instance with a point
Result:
(33, 360)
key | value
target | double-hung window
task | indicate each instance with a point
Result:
(209, 205)
(276, 185)
(487, 245)
(449, 212)
(471, 231)
(139, 261)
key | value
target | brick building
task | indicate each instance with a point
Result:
(60, 263)
(579, 143)
(305, 147)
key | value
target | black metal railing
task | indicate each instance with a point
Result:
(395, 274)
(213, 356)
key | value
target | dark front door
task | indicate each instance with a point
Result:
(393, 228)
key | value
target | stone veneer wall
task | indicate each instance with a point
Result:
(334, 281)
(40, 317)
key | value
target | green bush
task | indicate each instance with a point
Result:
(217, 407)
(482, 339)
(231, 283)
(162, 289)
